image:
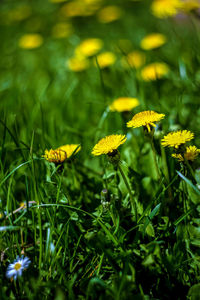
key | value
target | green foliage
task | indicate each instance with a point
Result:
(94, 230)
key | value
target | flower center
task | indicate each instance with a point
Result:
(17, 266)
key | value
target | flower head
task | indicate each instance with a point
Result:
(154, 71)
(190, 153)
(166, 8)
(78, 63)
(124, 104)
(62, 153)
(106, 59)
(79, 8)
(108, 144)
(152, 41)
(62, 30)
(145, 118)
(109, 14)
(178, 156)
(30, 41)
(17, 267)
(89, 47)
(189, 5)
(175, 139)
(134, 59)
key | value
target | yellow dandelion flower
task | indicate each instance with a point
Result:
(73, 9)
(62, 153)
(89, 47)
(145, 118)
(178, 156)
(166, 8)
(62, 30)
(154, 71)
(108, 144)
(105, 59)
(176, 138)
(152, 41)
(78, 63)
(124, 104)
(92, 1)
(30, 41)
(79, 8)
(189, 5)
(109, 14)
(134, 59)
(70, 149)
(191, 153)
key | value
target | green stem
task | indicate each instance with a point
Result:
(190, 169)
(166, 172)
(155, 159)
(129, 190)
(100, 264)
(37, 200)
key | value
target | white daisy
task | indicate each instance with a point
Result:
(16, 268)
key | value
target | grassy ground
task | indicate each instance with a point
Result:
(78, 224)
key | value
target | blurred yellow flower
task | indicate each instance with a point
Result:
(124, 104)
(92, 2)
(176, 138)
(191, 154)
(89, 47)
(19, 13)
(108, 144)
(30, 41)
(73, 9)
(146, 118)
(62, 153)
(166, 8)
(78, 63)
(109, 14)
(152, 41)
(134, 59)
(178, 156)
(62, 30)
(189, 5)
(154, 71)
(80, 8)
(106, 59)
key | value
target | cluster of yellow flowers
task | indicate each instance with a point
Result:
(84, 56)
(148, 119)
(136, 59)
(176, 140)
(109, 144)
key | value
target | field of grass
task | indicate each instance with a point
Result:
(122, 225)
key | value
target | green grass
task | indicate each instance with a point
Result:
(83, 242)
